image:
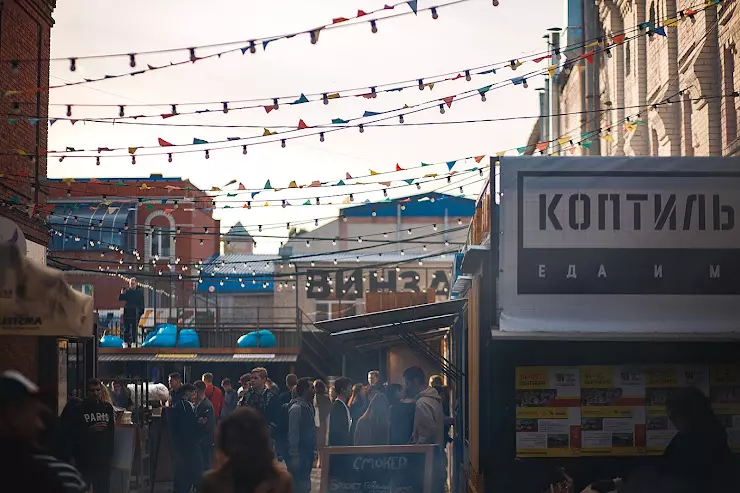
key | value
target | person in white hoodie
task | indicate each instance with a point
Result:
(429, 421)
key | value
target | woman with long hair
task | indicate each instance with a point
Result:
(373, 428)
(246, 463)
(322, 407)
(357, 405)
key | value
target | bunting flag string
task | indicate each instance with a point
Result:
(71, 152)
(243, 46)
(223, 106)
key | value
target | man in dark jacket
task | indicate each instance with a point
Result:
(207, 421)
(133, 309)
(261, 398)
(281, 433)
(185, 437)
(231, 398)
(302, 436)
(339, 417)
(23, 465)
(91, 425)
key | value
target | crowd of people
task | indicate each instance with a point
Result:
(305, 417)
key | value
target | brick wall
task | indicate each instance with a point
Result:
(697, 58)
(25, 27)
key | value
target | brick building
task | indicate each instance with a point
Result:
(693, 64)
(154, 229)
(25, 28)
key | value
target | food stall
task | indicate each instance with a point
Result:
(46, 327)
(605, 284)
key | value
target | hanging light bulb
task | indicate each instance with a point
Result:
(442, 108)
(418, 186)
(361, 127)
(359, 239)
(308, 243)
(467, 75)
(133, 159)
(524, 83)
(374, 213)
(120, 111)
(275, 104)
(321, 136)
(318, 202)
(373, 26)
(208, 155)
(400, 118)
(15, 66)
(351, 197)
(334, 241)
(325, 98)
(244, 149)
(421, 84)
(282, 143)
(435, 15)
(385, 192)
(315, 222)
(483, 97)
(252, 47)
(459, 220)
(97, 161)
(169, 157)
(192, 55)
(69, 110)
(174, 109)
(259, 228)
(72, 64)
(132, 60)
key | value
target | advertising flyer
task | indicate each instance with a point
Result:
(659, 383)
(725, 395)
(612, 410)
(548, 415)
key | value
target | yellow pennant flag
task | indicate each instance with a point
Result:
(501, 154)
(630, 127)
(268, 133)
(373, 173)
(145, 187)
(430, 85)
(333, 96)
(608, 137)
(132, 150)
(68, 181)
(267, 204)
(431, 175)
(671, 22)
(346, 201)
(551, 70)
(293, 184)
(215, 189)
(564, 140)
(591, 45)
(21, 152)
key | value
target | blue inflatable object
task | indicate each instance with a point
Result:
(258, 338)
(188, 338)
(111, 341)
(164, 336)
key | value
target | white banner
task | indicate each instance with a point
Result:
(637, 244)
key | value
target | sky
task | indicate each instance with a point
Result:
(465, 35)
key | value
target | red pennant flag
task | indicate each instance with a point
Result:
(348, 177)
(94, 180)
(269, 108)
(73, 122)
(338, 20)
(242, 187)
(385, 183)
(302, 125)
(478, 159)
(541, 146)
(315, 183)
(360, 13)
(368, 95)
(167, 115)
(539, 59)
(448, 100)
(589, 56)
(163, 142)
(619, 39)
(405, 200)
(388, 7)
(398, 168)
(458, 76)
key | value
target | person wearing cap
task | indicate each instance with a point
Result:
(92, 424)
(23, 465)
(185, 434)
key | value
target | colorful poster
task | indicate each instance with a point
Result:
(613, 411)
(548, 415)
(725, 394)
(660, 382)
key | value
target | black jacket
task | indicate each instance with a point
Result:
(134, 299)
(301, 429)
(207, 429)
(26, 469)
(339, 435)
(91, 427)
(185, 432)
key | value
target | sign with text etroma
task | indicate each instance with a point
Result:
(379, 469)
(638, 244)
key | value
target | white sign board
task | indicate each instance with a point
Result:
(637, 244)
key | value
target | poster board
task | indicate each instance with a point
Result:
(619, 244)
(614, 410)
(392, 468)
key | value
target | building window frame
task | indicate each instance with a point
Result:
(152, 230)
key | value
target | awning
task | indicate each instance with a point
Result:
(92, 226)
(412, 325)
(201, 358)
(36, 300)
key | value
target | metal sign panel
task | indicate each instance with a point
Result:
(620, 244)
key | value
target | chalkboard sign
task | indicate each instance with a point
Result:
(382, 469)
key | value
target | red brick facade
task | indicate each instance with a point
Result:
(171, 203)
(25, 28)
(698, 57)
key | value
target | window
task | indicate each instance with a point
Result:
(87, 289)
(322, 312)
(332, 310)
(161, 242)
(627, 59)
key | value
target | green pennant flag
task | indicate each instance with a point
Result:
(227, 207)
(339, 121)
(308, 202)
(387, 200)
(231, 195)
(302, 99)
(267, 185)
(14, 199)
(339, 183)
(425, 164)
(120, 183)
(586, 144)
(150, 206)
(199, 141)
(521, 150)
(410, 181)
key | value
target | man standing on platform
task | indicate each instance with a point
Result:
(132, 311)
